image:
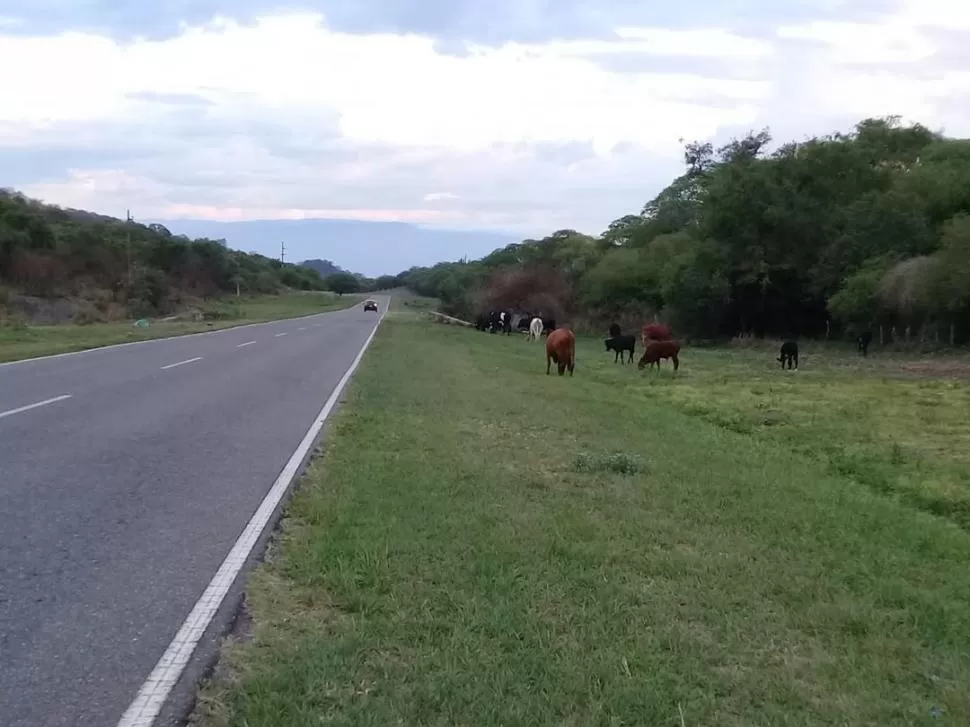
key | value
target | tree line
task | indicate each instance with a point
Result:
(825, 237)
(129, 269)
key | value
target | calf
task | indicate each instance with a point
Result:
(619, 344)
(657, 350)
(615, 330)
(864, 339)
(535, 329)
(561, 348)
(789, 354)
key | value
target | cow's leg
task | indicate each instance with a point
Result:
(676, 361)
(796, 361)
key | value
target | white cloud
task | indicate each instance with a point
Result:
(386, 88)
(285, 118)
(865, 43)
(893, 65)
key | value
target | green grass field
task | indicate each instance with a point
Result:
(484, 545)
(29, 341)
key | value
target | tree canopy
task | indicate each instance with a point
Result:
(838, 232)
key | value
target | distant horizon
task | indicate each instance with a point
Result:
(370, 248)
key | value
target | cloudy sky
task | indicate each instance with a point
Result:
(520, 115)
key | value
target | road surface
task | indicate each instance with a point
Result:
(126, 475)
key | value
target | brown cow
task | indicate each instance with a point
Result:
(657, 350)
(561, 348)
(656, 332)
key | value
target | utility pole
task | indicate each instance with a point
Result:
(282, 252)
(128, 222)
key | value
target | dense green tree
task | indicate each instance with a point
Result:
(816, 237)
(48, 251)
(341, 283)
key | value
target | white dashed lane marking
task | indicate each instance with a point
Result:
(22, 409)
(182, 363)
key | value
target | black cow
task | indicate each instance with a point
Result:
(619, 344)
(494, 321)
(506, 323)
(481, 322)
(864, 339)
(789, 354)
(548, 326)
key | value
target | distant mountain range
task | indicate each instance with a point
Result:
(370, 248)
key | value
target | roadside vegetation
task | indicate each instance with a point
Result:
(481, 544)
(60, 266)
(20, 341)
(820, 238)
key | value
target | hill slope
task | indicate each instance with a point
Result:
(117, 268)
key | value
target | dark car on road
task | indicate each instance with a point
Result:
(370, 305)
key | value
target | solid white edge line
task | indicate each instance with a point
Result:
(182, 363)
(153, 693)
(170, 338)
(247, 343)
(19, 410)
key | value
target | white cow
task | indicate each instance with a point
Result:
(535, 329)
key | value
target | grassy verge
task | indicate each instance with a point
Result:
(485, 545)
(27, 342)
(889, 422)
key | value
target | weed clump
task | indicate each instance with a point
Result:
(618, 462)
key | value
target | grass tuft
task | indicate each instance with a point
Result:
(618, 462)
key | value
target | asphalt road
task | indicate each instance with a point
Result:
(119, 503)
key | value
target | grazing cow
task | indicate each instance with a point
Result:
(657, 350)
(535, 329)
(561, 348)
(615, 330)
(506, 323)
(789, 354)
(481, 322)
(522, 324)
(864, 339)
(656, 332)
(494, 321)
(620, 343)
(548, 326)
